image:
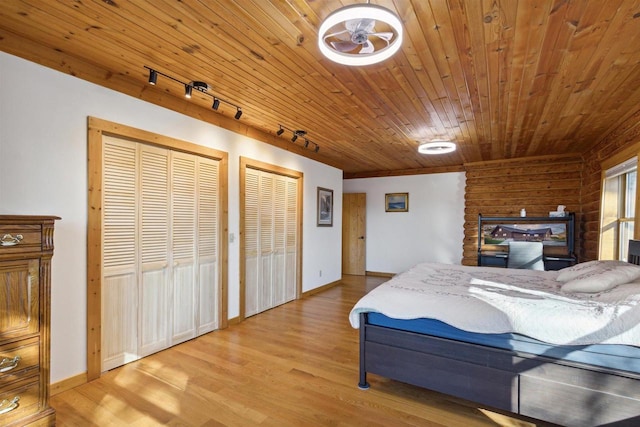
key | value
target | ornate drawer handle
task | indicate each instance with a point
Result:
(11, 405)
(7, 364)
(9, 240)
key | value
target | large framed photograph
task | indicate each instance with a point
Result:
(396, 202)
(325, 207)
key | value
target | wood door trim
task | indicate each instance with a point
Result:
(97, 128)
(245, 163)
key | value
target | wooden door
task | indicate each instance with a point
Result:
(160, 240)
(270, 240)
(119, 254)
(153, 234)
(353, 233)
(208, 268)
(183, 227)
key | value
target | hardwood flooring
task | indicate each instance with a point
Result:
(295, 365)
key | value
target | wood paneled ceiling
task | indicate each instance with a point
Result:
(503, 79)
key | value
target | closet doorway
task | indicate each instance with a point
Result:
(270, 236)
(157, 257)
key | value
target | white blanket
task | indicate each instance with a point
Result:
(496, 300)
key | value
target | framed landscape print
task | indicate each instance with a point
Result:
(325, 207)
(396, 202)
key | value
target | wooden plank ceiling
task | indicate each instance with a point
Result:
(503, 79)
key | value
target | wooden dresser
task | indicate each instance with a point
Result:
(26, 248)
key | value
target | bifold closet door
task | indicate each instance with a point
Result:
(161, 219)
(208, 263)
(120, 254)
(270, 240)
(154, 238)
(183, 206)
(194, 201)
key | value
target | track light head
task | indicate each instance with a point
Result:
(216, 103)
(187, 90)
(153, 77)
(294, 137)
(317, 148)
(280, 131)
(238, 114)
(306, 143)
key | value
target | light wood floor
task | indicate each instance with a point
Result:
(295, 365)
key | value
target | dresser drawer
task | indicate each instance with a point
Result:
(19, 359)
(16, 239)
(20, 399)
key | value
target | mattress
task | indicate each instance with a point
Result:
(615, 356)
(531, 303)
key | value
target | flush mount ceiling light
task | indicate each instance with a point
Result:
(437, 147)
(348, 36)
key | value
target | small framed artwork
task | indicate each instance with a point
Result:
(325, 207)
(396, 202)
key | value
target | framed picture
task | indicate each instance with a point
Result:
(325, 207)
(396, 202)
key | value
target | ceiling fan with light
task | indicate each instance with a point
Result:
(348, 35)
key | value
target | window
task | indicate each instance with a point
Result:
(618, 210)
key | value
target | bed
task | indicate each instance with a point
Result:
(559, 346)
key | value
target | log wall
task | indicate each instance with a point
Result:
(619, 145)
(502, 188)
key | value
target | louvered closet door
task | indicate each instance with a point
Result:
(291, 241)
(251, 240)
(207, 247)
(270, 240)
(184, 227)
(120, 282)
(265, 262)
(154, 242)
(279, 254)
(160, 257)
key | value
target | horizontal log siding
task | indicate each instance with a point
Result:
(623, 142)
(502, 188)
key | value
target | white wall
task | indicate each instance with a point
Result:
(43, 171)
(432, 230)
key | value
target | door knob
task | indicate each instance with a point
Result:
(361, 237)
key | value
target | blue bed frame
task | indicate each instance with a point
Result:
(537, 386)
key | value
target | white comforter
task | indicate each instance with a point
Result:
(496, 300)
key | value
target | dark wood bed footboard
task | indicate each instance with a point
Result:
(540, 387)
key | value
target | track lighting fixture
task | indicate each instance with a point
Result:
(295, 134)
(199, 86)
(153, 77)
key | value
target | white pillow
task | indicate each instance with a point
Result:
(570, 273)
(600, 278)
